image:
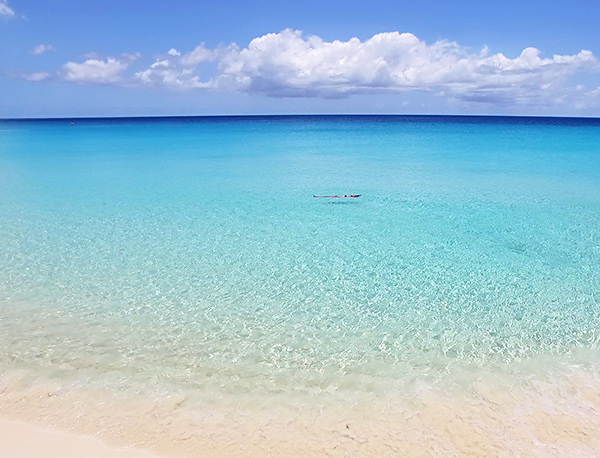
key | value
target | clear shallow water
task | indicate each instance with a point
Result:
(189, 254)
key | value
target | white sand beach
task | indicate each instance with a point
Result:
(21, 440)
(551, 417)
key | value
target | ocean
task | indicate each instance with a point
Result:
(172, 283)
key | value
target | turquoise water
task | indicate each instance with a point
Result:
(190, 253)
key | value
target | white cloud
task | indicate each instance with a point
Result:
(95, 71)
(594, 93)
(177, 71)
(39, 76)
(288, 64)
(198, 56)
(6, 10)
(41, 49)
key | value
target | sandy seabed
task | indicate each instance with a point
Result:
(548, 416)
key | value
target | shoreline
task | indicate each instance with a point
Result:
(541, 416)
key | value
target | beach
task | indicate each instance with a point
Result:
(171, 286)
(548, 417)
(20, 440)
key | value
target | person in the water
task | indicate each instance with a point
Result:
(345, 196)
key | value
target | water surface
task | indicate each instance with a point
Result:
(188, 255)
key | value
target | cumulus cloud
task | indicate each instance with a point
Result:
(289, 64)
(177, 71)
(41, 49)
(6, 10)
(96, 70)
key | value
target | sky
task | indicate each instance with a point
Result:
(77, 58)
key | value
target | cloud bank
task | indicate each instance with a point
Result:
(6, 10)
(288, 64)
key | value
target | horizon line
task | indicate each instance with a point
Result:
(296, 115)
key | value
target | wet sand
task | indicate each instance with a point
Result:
(545, 417)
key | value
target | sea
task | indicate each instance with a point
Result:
(174, 284)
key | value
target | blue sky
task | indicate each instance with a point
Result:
(182, 57)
